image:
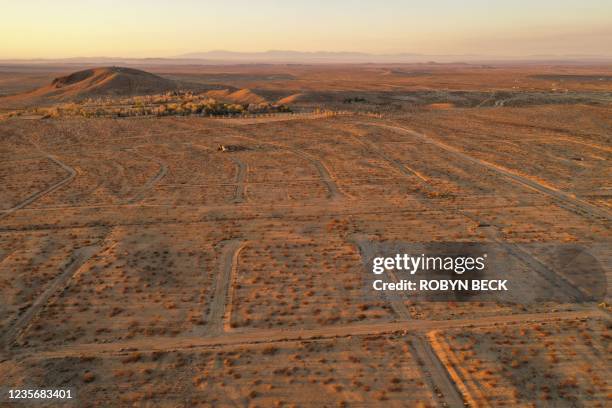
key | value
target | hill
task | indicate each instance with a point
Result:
(241, 96)
(95, 82)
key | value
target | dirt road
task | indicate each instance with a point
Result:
(161, 173)
(439, 379)
(219, 306)
(79, 258)
(582, 206)
(242, 170)
(324, 172)
(257, 336)
(71, 174)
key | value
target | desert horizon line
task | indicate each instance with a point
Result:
(290, 55)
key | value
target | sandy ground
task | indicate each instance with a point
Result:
(142, 266)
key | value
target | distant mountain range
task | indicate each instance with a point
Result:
(320, 57)
(289, 56)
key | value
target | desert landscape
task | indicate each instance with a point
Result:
(195, 235)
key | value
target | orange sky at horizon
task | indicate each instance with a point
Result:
(138, 28)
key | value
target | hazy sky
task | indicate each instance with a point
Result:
(156, 28)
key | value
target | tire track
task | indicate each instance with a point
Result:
(242, 169)
(582, 206)
(440, 380)
(449, 359)
(240, 195)
(396, 164)
(219, 313)
(515, 250)
(79, 258)
(71, 175)
(423, 348)
(281, 335)
(553, 278)
(572, 292)
(161, 173)
(325, 174)
(229, 304)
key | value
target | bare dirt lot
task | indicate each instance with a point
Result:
(183, 260)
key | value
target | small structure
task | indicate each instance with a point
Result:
(230, 148)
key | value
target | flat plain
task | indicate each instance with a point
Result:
(217, 260)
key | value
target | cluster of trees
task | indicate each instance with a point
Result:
(355, 100)
(214, 108)
(171, 104)
(207, 108)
